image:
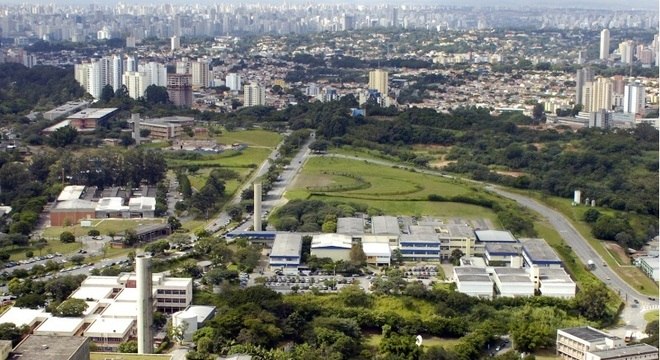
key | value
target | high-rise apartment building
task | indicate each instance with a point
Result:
(156, 73)
(378, 80)
(627, 49)
(179, 89)
(604, 44)
(233, 81)
(93, 76)
(633, 98)
(183, 66)
(136, 83)
(583, 76)
(201, 74)
(254, 95)
(131, 63)
(117, 71)
(597, 95)
(175, 43)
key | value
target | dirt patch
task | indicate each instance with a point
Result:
(511, 173)
(440, 163)
(618, 252)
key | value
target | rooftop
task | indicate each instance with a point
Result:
(40, 347)
(59, 324)
(108, 326)
(376, 249)
(121, 309)
(103, 281)
(501, 249)
(331, 240)
(494, 236)
(167, 120)
(21, 316)
(539, 250)
(587, 333)
(287, 245)
(457, 231)
(92, 292)
(75, 204)
(422, 230)
(385, 225)
(142, 203)
(202, 312)
(423, 238)
(350, 225)
(626, 351)
(470, 270)
(556, 275)
(111, 204)
(92, 113)
(71, 192)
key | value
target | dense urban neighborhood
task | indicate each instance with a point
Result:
(292, 181)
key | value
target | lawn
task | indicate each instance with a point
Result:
(118, 356)
(255, 137)
(630, 274)
(54, 246)
(393, 190)
(652, 315)
(248, 157)
(104, 226)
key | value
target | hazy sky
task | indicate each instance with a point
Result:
(608, 4)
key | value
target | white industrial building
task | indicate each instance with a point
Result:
(553, 282)
(192, 319)
(512, 282)
(378, 253)
(473, 281)
(107, 333)
(60, 326)
(649, 266)
(503, 254)
(286, 252)
(632, 352)
(334, 246)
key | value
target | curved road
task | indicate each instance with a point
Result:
(632, 313)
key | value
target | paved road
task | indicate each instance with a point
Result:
(632, 313)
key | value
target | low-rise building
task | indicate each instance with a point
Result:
(21, 317)
(352, 226)
(537, 252)
(165, 128)
(85, 120)
(632, 352)
(575, 343)
(377, 253)
(503, 254)
(60, 326)
(512, 282)
(553, 282)
(457, 237)
(649, 266)
(420, 247)
(473, 281)
(286, 252)
(334, 246)
(193, 317)
(107, 333)
(41, 347)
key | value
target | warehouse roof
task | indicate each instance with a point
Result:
(39, 347)
(92, 292)
(626, 352)
(537, 250)
(111, 204)
(76, 204)
(385, 225)
(142, 203)
(288, 245)
(494, 236)
(512, 275)
(457, 231)
(556, 275)
(501, 249)
(420, 238)
(587, 333)
(92, 113)
(376, 249)
(71, 192)
(422, 229)
(350, 225)
(331, 241)
(59, 324)
(22, 316)
(105, 326)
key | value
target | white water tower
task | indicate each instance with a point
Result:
(577, 197)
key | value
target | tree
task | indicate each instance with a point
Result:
(319, 146)
(93, 232)
(9, 331)
(77, 259)
(235, 212)
(157, 247)
(174, 223)
(591, 215)
(67, 237)
(538, 112)
(357, 255)
(353, 295)
(71, 308)
(397, 346)
(456, 256)
(128, 347)
(591, 301)
(156, 95)
(62, 137)
(107, 93)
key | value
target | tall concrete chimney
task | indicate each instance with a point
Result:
(136, 128)
(144, 305)
(257, 206)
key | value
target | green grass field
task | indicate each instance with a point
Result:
(393, 190)
(255, 137)
(54, 246)
(630, 274)
(652, 315)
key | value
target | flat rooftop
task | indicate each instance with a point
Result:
(71, 192)
(111, 204)
(457, 231)
(422, 230)
(287, 245)
(167, 120)
(626, 351)
(494, 236)
(21, 316)
(108, 326)
(470, 270)
(385, 225)
(92, 113)
(200, 311)
(538, 250)
(376, 249)
(420, 238)
(92, 292)
(40, 347)
(331, 241)
(121, 309)
(502, 249)
(59, 324)
(588, 333)
(555, 275)
(103, 281)
(350, 225)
